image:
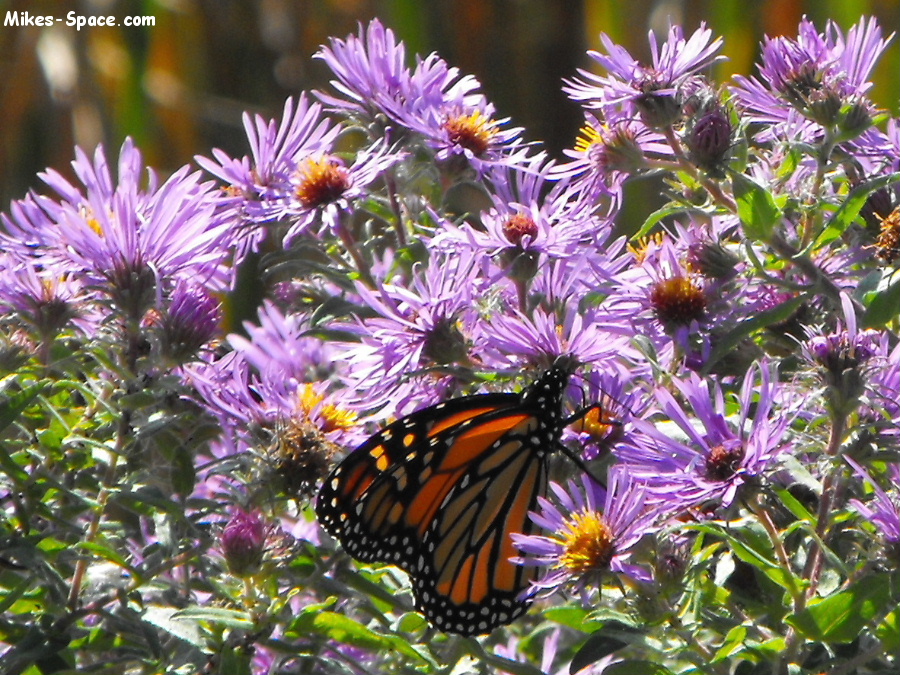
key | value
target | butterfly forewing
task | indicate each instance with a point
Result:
(366, 500)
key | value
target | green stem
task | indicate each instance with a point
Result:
(122, 434)
(350, 245)
(391, 184)
(762, 514)
(832, 492)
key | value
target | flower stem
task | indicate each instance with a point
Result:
(124, 432)
(391, 184)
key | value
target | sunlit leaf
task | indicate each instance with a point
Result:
(842, 616)
(756, 207)
(232, 618)
(13, 405)
(184, 626)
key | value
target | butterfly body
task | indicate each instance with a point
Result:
(438, 493)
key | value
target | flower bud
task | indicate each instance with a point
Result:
(658, 111)
(856, 118)
(710, 140)
(243, 542)
(191, 321)
(713, 260)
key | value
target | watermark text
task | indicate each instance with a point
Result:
(79, 21)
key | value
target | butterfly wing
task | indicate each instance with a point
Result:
(377, 499)
(464, 581)
(438, 493)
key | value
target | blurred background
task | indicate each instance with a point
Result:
(180, 86)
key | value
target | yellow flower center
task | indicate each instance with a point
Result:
(611, 148)
(587, 542)
(888, 244)
(588, 137)
(321, 180)
(641, 250)
(334, 417)
(473, 132)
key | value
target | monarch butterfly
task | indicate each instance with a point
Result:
(438, 493)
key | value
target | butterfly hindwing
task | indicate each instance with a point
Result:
(464, 580)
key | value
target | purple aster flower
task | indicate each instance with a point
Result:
(264, 393)
(421, 329)
(516, 340)
(715, 453)
(841, 358)
(131, 241)
(608, 150)
(590, 532)
(47, 302)
(445, 110)
(281, 344)
(651, 90)
(616, 400)
(663, 301)
(465, 132)
(373, 77)
(531, 217)
(294, 174)
(821, 76)
(883, 511)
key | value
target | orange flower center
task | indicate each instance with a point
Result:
(518, 227)
(678, 301)
(888, 244)
(473, 132)
(322, 180)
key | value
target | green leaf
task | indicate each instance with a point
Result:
(348, 631)
(184, 627)
(883, 305)
(654, 218)
(756, 207)
(842, 616)
(573, 617)
(856, 199)
(888, 631)
(726, 343)
(755, 551)
(105, 552)
(635, 668)
(234, 660)
(794, 506)
(226, 617)
(11, 595)
(609, 639)
(733, 644)
(13, 405)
